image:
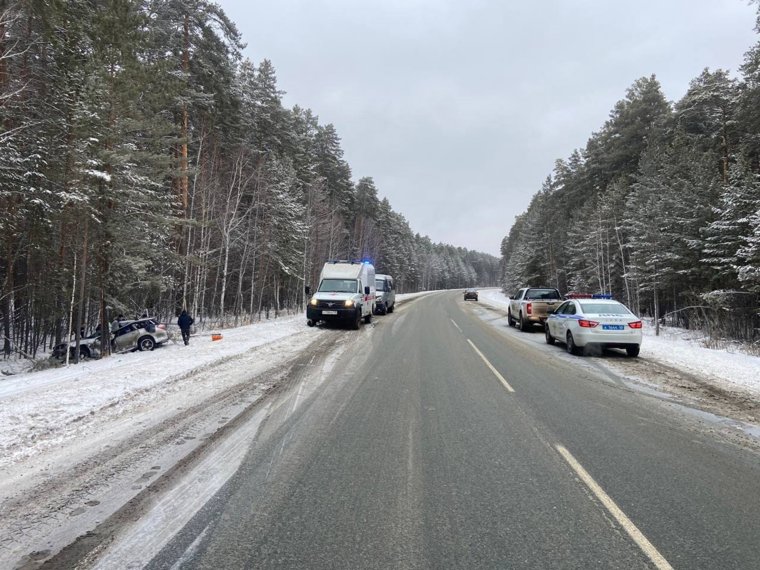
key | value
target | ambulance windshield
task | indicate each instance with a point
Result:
(339, 285)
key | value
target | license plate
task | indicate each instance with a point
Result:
(612, 327)
(329, 312)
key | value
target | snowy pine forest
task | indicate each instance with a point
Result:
(661, 208)
(146, 166)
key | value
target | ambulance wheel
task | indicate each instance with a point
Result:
(357, 321)
(311, 322)
(368, 319)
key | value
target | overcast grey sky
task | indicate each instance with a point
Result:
(459, 108)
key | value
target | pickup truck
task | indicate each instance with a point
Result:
(531, 306)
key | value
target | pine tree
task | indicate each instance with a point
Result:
(725, 237)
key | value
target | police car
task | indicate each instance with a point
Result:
(599, 322)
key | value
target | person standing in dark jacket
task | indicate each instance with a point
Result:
(185, 321)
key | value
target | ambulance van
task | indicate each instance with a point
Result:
(346, 293)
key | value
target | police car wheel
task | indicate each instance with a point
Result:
(571, 348)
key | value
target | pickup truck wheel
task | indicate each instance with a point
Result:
(521, 324)
(570, 343)
(510, 320)
(548, 335)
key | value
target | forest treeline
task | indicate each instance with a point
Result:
(661, 208)
(146, 166)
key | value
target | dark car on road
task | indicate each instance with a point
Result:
(471, 294)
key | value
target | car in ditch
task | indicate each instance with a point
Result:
(599, 323)
(141, 334)
(89, 347)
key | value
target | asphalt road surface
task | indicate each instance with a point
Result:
(443, 441)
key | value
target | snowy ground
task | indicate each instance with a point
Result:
(682, 350)
(44, 409)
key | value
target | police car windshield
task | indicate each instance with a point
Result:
(338, 285)
(603, 309)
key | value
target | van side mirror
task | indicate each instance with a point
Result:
(307, 290)
(366, 290)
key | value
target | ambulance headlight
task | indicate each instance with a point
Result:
(349, 303)
(313, 302)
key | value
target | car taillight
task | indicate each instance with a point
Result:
(587, 324)
(635, 325)
(162, 327)
(529, 308)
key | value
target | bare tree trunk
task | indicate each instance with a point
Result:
(71, 309)
(625, 270)
(8, 299)
(263, 283)
(184, 135)
(305, 266)
(3, 62)
(241, 276)
(276, 297)
(225, 268)
(656, 306)
(231, 220)
(189, 228)
(82, 290)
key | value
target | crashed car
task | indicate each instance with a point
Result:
(89, 347)
(142, 334)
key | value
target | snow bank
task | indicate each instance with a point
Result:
(401, 297)
(41, 409)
